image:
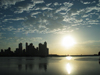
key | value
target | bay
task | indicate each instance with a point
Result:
(87, 65)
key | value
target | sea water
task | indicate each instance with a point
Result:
(50, 65)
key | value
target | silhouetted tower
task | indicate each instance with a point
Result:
(98, 53)
(45, 44)
(20, 46)
(31, 44)
(26, 47)
(46, 49)
(9, 49)
(1, 50)
(40, 46)
(20, 49)
(43, 50)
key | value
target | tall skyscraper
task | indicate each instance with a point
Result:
(20, 46)
(26, 46)
(43, 50)
(45, 44)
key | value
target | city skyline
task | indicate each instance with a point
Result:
(52, 21)
(30, 50)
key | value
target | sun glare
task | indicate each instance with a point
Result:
(68, 41)
(68, 57)
(69, 68)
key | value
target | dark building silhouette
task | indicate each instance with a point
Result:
(30, 50)
(26, 47)
(43, 50)
(20, 47)
(18, 51)
(98, 53)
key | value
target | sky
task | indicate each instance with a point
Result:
(37, 21)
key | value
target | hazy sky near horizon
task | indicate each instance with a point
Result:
(37, 21)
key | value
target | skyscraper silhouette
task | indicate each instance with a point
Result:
(20, 47)
(43, 50)
(30, 50)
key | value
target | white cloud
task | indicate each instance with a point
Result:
(62, 8)
(85, 16)
(90, 9)
(48, 4)
(57, 4)
(4, 44)
(88, 2)
(46, 8)
(10, 28)
(24, 7)
(37, 1)
(68, 4)
(28, 6)
(13, 19)
(85, 2)
(29, 39)
(49, 20)
(34, 13)
(66, 7)
(7, 3)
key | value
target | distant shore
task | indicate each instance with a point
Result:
(70, 55)
(53, 56)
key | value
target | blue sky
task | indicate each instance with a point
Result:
(36, 21)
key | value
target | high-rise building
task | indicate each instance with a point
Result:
(26, 46)
(45, 44)
(43, 50)
(20, 46)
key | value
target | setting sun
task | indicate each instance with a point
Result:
(68, 41)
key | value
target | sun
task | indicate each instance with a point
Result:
(68, 41)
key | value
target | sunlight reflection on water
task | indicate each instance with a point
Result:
(69, 68)
(68, 57)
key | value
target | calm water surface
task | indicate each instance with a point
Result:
(50, 66)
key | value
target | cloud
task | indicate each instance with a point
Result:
(28, 6)
(67, 4)
(48, 4)
(34, 13)
(57, 4)
(88, 2)
(6, 42)
(50, 20)
(8, 3)
(37, 1)
(66, 7)
(24, 7)
(10, 28)
(54, 20)
(27, 39)
(54, 17)
(24, 39)
(46, 8)
(90, 9)
(14, 19)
